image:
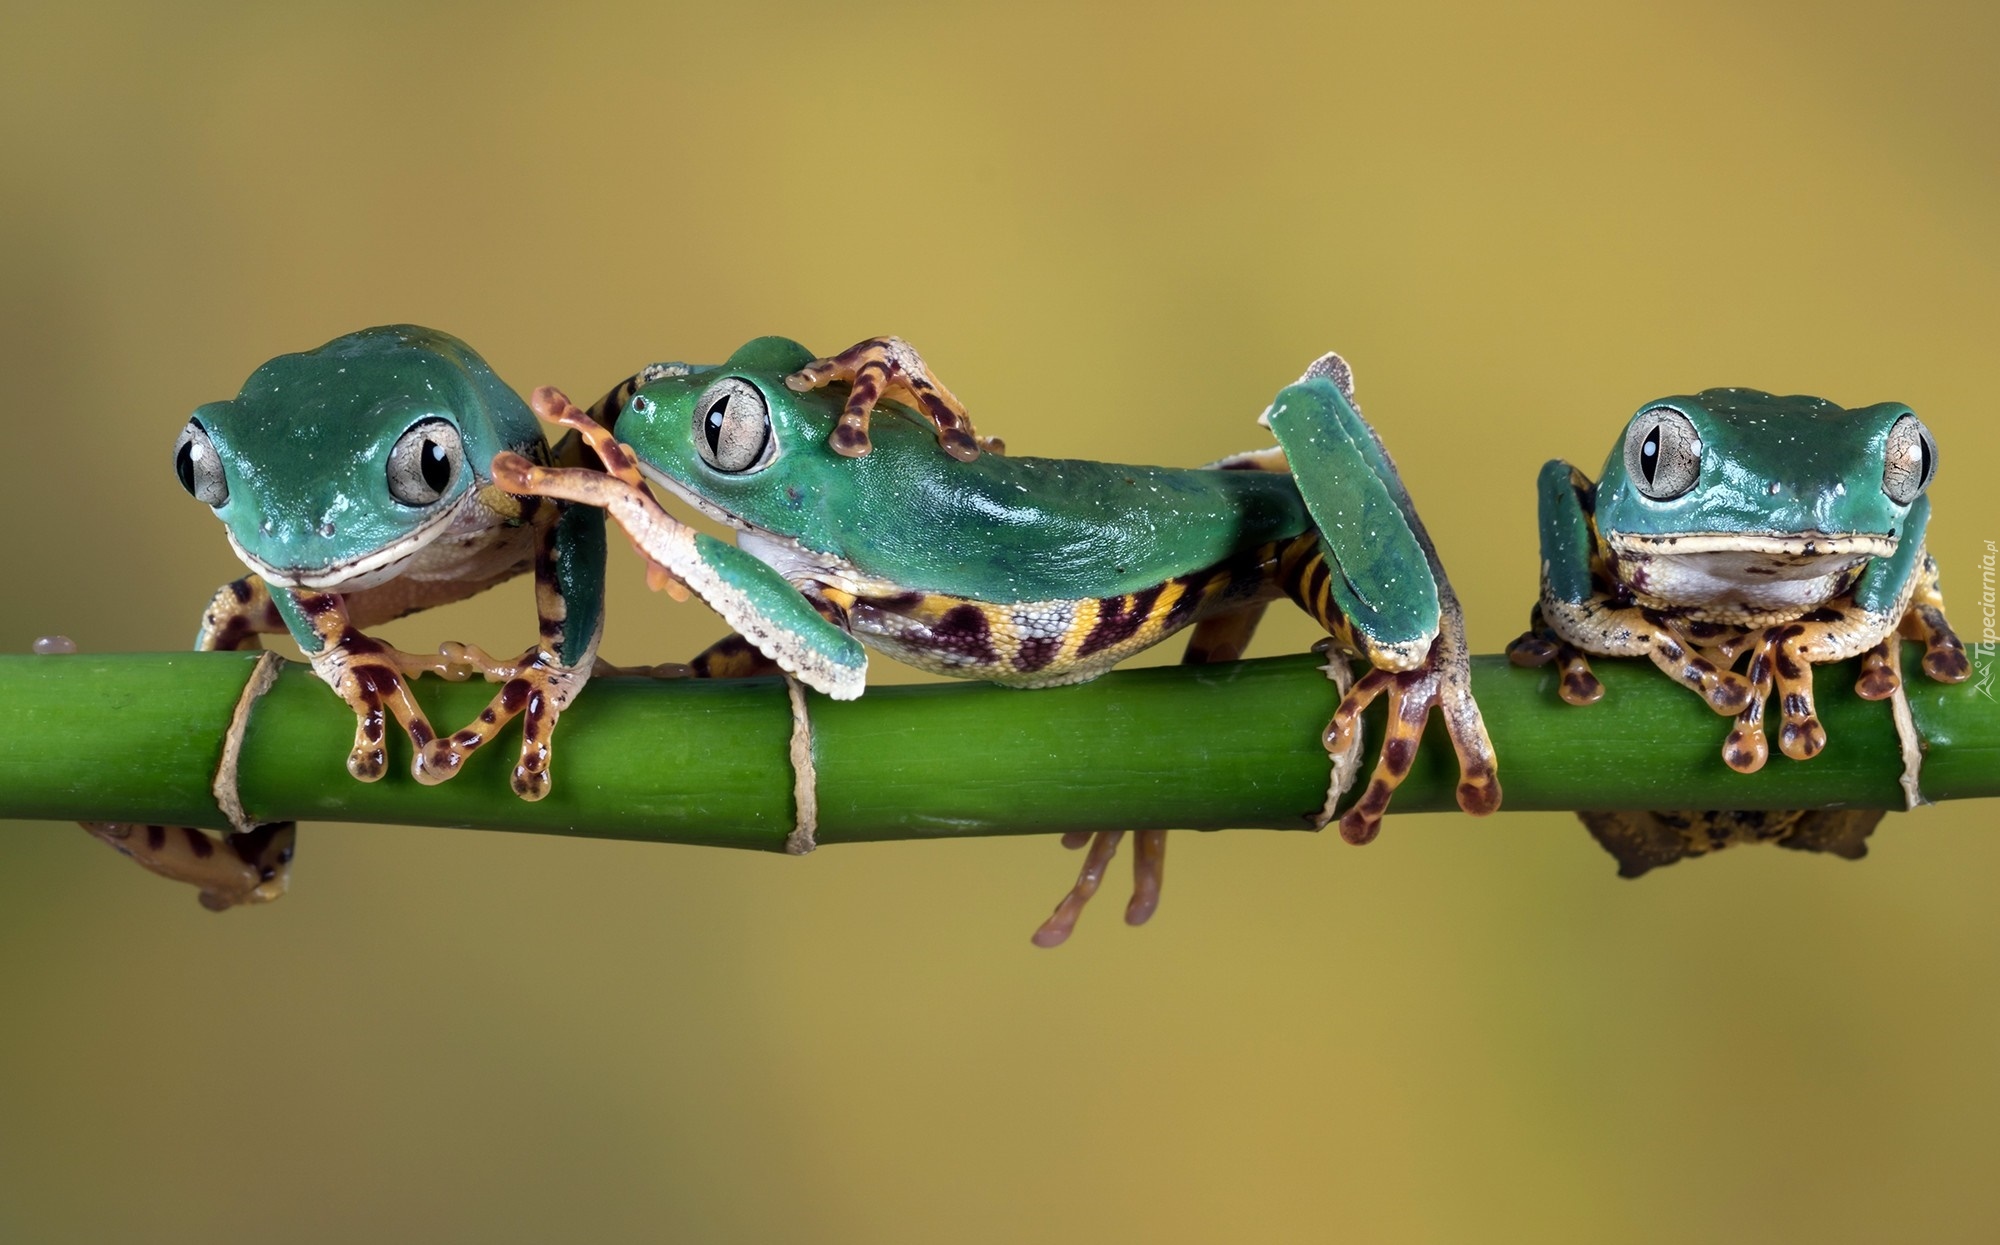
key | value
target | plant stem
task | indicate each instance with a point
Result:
(136, 737)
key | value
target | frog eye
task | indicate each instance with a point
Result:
(198, 467)
(1662, 453)
(1910, 460)
(732, 426)
(424, 461)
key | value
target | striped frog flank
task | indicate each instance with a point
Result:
(868, 512)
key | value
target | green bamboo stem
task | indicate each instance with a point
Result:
(136, 737)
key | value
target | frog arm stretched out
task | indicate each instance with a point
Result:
(1736, 524)
(1029, 572)
(352, 481)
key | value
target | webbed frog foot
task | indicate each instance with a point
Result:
(535, 688)
(1541, 644)
(1149, 863)
(1944, 652)
(1443, 681)
(246, 867)
(886, 368)
(1694, 654)
(373, 679)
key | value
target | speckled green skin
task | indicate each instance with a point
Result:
(304, 447)
(1008, 530)
(1823, 461)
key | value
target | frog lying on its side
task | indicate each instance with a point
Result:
(352, 479)
(1735, 522)
(1028, 572)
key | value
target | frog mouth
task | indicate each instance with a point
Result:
(1807, 547)
(375, 567)
(1755, 571)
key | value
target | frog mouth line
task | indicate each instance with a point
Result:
(372, 568)
(1806, 546)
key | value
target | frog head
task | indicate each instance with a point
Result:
(334, 468)
(1736, 495)
(735, 442)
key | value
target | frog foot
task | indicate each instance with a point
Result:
(370, 677)
(886, 368)
(536, 689)
(1944, 652)
(1879, 674)
(1442, 682)
(1778, 661)
(1541, 644)
(1149, 862)
(551, 404)
(247, 867)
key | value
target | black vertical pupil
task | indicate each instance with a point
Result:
(184, 465)
(436, 466)
(1924, 448)
(714, 424)
(1649, 454)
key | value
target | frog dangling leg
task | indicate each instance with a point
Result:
(241, 867)
(1371, 576)
(887, 369)
(1216, 638)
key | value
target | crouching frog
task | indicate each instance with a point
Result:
(1030, 572)
(1736, 527)
(352, 480)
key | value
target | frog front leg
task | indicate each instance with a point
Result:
(371, 677)
(757, 603)
(888, 369)
(1371, 576)
(1578, 614)
(541, 683)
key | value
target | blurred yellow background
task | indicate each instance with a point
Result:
(1114, 233)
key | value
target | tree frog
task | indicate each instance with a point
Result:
(1030, 572)
(352, 480)
(1735, 523)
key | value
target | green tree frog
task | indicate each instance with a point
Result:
(1736, 526)
(1030, 572)
(352, 480)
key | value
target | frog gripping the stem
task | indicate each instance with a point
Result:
(1026, 572)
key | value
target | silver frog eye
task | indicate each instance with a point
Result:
(195, 462)
(424, 461)
(732, 426)
(1662, 453)
(1909, 460)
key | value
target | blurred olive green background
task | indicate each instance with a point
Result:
(1114, 233)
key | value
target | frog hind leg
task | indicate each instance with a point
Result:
(241, 867)
(1217, 638)
(1641, 841)
(887, 369)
